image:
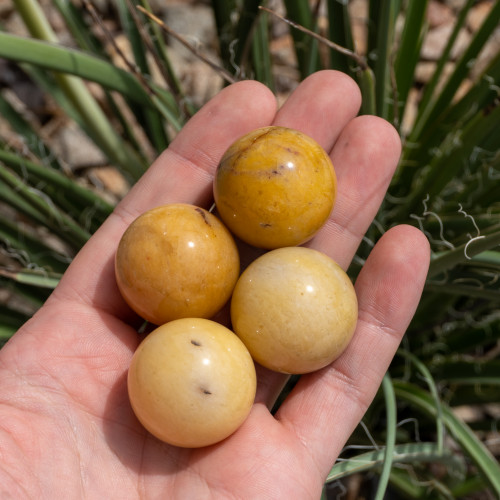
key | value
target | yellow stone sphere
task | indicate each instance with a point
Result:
(176, 261)
(192, 382)
(295, 309)
(275, 187)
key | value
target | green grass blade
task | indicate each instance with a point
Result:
(12, 197)
(35, 20)
(75, 22)
(151, 118)
(223, 11)
(390, 405)
(31, 138)
(482, 190)
(454, 221)
(262, 63)
(463, 339)
(132, 34)
(386, 19)
(429, 93)
(48, 84)
(461, 71)
(39, 206)
(465, 291)
(339, 32)
(244, 33)
(429, 379)
(10, 321)
(367, 86)
(479, 101)
(452, 158)
(478, 372)
(29, 250)
(404, 482)
(446, 260)
(86, 41)
(408, 51)
(32, 278)
(88, 67)
(103, 132)
(488, 258)
(481, 96)
(468, 395)
(306, 48)
(412, 453)
(159, 52)
(75, 197)
(31, 297)
(465, 437)
(469, 488)
(374, 12)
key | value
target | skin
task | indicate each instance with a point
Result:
(64, 373)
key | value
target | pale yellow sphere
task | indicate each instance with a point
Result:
(275, 187)
(176, 261)
(191, 382)
(295, 309)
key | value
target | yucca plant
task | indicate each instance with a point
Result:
(411, 439)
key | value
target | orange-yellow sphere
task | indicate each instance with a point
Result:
(275, 187)
(295, 310)
(176, 261)
(191, 382)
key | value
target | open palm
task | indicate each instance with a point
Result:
(66, 426)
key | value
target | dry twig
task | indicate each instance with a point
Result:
(332, 45)
(130, 65)
(222, 72)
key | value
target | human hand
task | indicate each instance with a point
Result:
(66, 426)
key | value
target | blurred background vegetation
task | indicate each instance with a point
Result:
(92, 90)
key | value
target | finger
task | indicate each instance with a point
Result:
(365, 157)
(183, 173)
(324, 407)
(321, 106)
(364, 151)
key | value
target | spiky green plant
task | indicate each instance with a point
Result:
(447, 184)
